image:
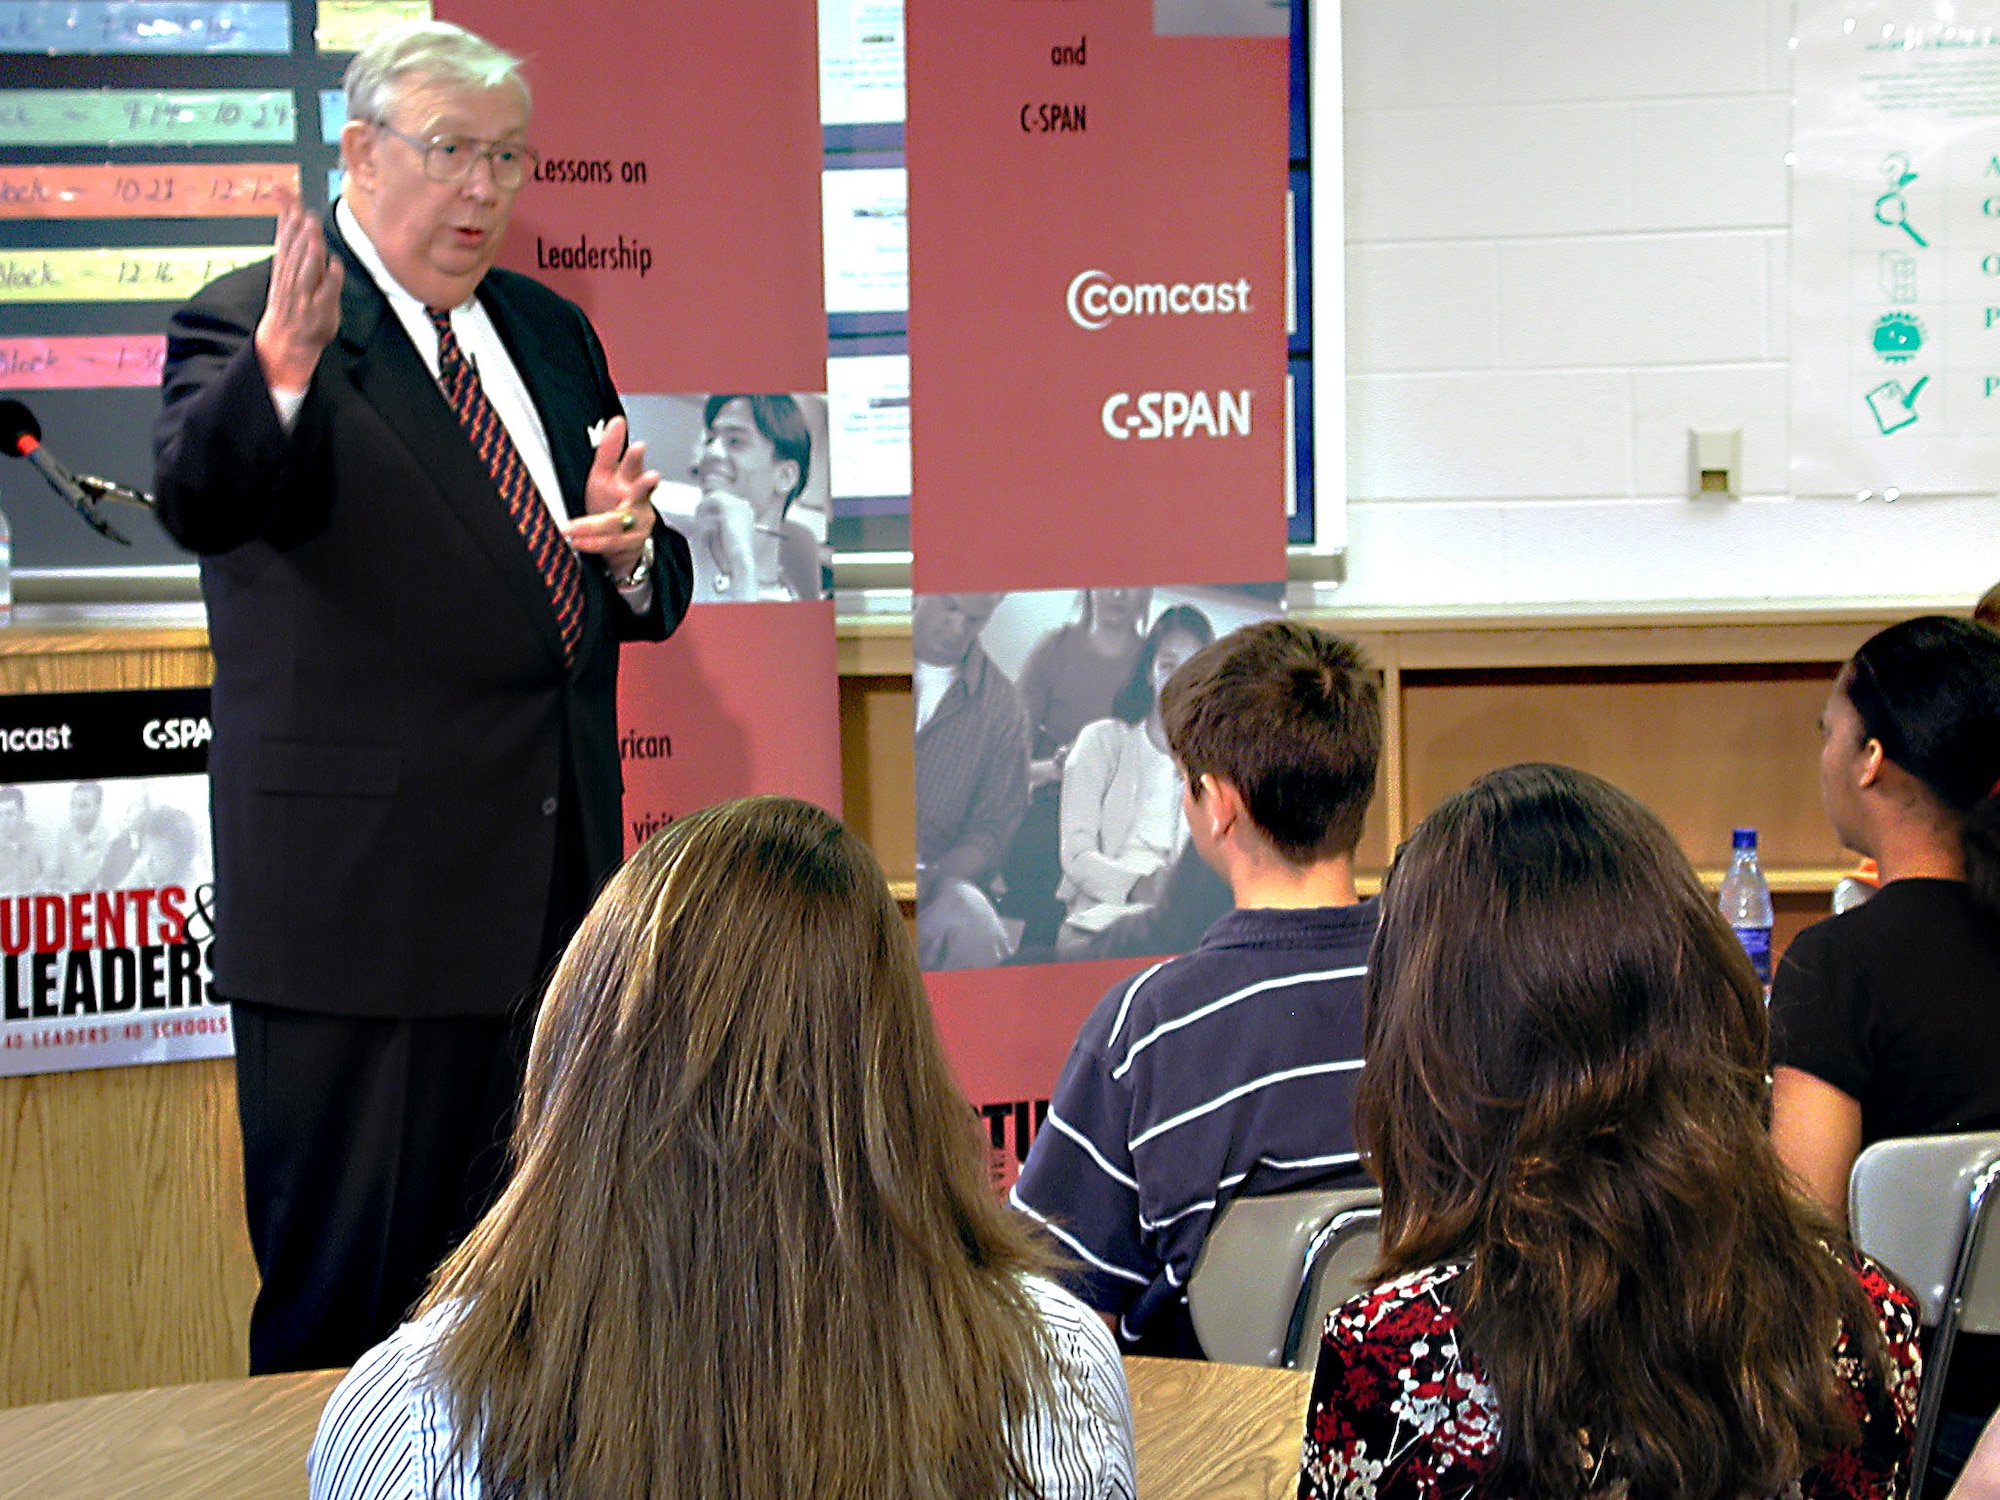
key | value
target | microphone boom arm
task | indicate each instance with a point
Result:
(101, 526)
(109, 489)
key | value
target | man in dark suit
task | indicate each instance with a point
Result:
(423, 538)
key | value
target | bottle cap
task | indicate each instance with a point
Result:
(1745, 838)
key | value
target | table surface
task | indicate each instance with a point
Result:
(240, 1439)
(1226, 1432)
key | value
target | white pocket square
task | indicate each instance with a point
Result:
(596, 430)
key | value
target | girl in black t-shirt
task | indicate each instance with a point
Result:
(1885, 1020)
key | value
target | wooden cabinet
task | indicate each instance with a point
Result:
(1710, 718)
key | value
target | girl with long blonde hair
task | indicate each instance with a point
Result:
(750, 1248)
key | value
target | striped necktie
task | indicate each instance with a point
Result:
(560, 571)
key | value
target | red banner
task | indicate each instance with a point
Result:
(1007, 1032)
(1097, 303)
(677, 202)
(743, 698)
(1097, 397)
(678, 196)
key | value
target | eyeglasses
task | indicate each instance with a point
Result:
(450, 158)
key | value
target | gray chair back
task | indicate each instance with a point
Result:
(1910, 1203)
(1922, 1206)
(1274, 1266)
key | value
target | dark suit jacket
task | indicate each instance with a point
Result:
(394, 722)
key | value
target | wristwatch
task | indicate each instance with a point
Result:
(641, 570)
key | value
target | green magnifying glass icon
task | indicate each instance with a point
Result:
(1893, 210)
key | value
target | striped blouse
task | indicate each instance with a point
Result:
(386, 1432)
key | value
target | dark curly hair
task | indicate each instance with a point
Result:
(1566, 1091)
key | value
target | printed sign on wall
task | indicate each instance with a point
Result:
(1895, 259)
(106, 881)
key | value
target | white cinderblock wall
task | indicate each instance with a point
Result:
(1566, 241)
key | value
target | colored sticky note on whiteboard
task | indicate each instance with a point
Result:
(219, 190)
(345, 24)
(76, 362)
(332, 114)
(146, 117)
(162, 274)
(120, 27)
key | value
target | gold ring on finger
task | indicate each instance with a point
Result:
(625, 520)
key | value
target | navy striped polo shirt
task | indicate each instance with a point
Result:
(1227, 1072)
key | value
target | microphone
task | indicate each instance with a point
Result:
(21, 435)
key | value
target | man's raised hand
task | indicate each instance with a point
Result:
(302, 308)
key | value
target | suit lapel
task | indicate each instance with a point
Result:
(385, 367)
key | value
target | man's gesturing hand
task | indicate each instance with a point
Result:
(618, 497)
(302, 308)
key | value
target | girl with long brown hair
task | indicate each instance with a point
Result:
(750, 1248)
(1601, 1281)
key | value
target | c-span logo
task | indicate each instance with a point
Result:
(1166, 414)
(1094, 299)
(176, 734)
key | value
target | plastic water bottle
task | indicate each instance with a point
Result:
(6, 571)
(1746, 904)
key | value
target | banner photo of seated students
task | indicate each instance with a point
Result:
(1053, 857)
(106, 882)
(678, 203)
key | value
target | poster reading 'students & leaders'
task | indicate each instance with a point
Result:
(106, 882)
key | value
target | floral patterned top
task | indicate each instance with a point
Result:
(1401, 1411)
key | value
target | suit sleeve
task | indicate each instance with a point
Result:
(225, 471)
(673, 588)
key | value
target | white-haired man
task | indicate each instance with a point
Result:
(423, 538)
